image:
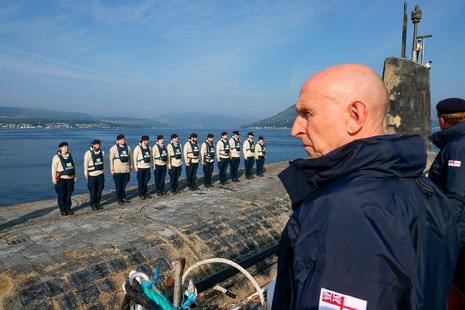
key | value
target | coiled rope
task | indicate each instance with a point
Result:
(151, 295)
(231, 263)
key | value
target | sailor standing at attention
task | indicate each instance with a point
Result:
(94, 173)
(249, 153)
(235, 147)
(160, 158)
(120, 168)
(174, 162)
(64, 177)
(191, 156)
(207, 159)
(143, 166)
(260, 155)
(222, 155)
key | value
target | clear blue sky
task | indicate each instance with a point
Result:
(143, 58)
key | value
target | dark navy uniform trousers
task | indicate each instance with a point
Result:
(64, 189)
(223, 167)
(121, 180)
(207, 173)
(95, 184)
(160, 175)
(143, 178)
(248, 164)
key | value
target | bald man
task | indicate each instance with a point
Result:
(368, 230)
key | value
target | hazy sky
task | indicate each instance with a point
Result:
(143, 58)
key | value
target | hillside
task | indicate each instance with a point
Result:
(25, 117)
(202, 120)
(26, 113)
(283, 119)
(13, 117)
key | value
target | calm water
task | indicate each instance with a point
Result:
(26, 156)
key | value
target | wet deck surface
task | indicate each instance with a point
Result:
(48, 261)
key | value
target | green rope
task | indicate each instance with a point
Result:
(151, 291)
(155, 295)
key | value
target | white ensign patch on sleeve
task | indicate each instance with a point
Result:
(454, 163)
(333, 300)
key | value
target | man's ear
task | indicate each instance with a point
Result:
(357, 117)
(441, 120)
(443, 124)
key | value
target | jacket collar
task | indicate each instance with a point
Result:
(389, 155)
(441, 138)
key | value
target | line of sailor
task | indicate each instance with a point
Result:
(163, 158)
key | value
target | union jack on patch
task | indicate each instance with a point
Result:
(454, 163)
(334, 300)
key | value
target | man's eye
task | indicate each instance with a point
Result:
(308, 114)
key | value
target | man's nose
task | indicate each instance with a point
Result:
(297, 127)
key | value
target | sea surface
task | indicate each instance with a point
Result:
(26, 155)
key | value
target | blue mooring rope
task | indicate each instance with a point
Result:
(150, 289)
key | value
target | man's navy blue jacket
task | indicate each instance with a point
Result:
(366, 223)
(448, 170)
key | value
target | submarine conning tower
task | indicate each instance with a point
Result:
(408, 83)
(409, 113)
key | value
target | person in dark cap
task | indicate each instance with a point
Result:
(235, 155)
(249, 155)
(448, 169)
(260, 156)
(160, 159)
(192, 159)
(143, 166)
(120, 168)
(222, 156)
(94, 173)
(174, 162)
(64, 177)
(207, 159)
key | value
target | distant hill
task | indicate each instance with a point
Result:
(171, 120)
(203, 120)
(26, 113)
(44, 116)
(283, 119)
